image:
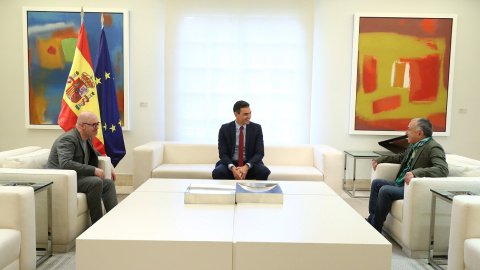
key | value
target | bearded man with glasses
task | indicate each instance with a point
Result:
(74, 150)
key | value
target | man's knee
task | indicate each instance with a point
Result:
(108, 183)
(263, 173)
(391, 193)
(219, 173)
(386, 191)
(377, 183)
(89, 183)
(97, 183)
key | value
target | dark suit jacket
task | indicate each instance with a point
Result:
(253, 143)
(67, 153)
(429, 161)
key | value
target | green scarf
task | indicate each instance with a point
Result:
(411, 155)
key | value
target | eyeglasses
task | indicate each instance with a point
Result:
(94, 125)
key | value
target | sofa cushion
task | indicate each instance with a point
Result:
(288, 156)
(458, 168)
(16, 152)
(462, 166)
(295, 173)
(397, 210)
(82, 206)
(178, 153)
(9, 246)
(33, 160)
(204, 171)
(472, 253)
(187, 171)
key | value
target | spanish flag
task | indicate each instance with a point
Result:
(81, 92)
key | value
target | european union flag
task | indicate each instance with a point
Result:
(107, 98)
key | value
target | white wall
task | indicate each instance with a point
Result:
(332, 61)
(146, 74)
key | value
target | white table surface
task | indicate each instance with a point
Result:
(288, 187)
(149, 229)
(306, 232)
(152, 228)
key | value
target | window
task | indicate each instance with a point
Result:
(218, 57)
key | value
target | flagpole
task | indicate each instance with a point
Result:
(102, 20)
(81, 14)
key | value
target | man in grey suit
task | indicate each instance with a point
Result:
(74, 150)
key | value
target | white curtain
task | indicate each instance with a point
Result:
(218, 52)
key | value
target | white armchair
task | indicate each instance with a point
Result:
(464, 243)
(70, 215)
(408, 222)
(17, 228)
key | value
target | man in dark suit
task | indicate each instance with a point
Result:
(423, 158)
(240, 147)
(74, 150)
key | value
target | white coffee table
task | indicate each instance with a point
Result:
(288, 187)
(307, 232)
(153, 229)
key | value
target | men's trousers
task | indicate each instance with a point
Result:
(382, 194)
(97, 190)
(258, 172)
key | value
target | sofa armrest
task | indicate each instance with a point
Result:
(105, 164)
(146, 158)
(18, 213)
(328, 160)
(463, 226)
(386, 171)
(417, 208)
(64, 197)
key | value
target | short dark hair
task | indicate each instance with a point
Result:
(239, 105)
(424, 125)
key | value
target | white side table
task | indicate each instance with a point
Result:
(435, 259)
(43, 251)
(355, 155)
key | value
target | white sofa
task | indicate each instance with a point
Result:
(408, 222)
(464, 243)
(162, 159)
(70, 215)
(17, 228)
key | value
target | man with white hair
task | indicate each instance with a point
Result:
(423, 158)
(74, 150)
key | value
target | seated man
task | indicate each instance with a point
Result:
(74, 150)
(240, 147)
(423, 158)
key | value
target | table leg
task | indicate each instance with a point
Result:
(42, 255)
(434, 261)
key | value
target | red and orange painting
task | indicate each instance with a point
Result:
(402, 72)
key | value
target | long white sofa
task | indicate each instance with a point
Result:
(70, 215)
(162, 159)
(17, 228)
(408, 222)
(464, 243)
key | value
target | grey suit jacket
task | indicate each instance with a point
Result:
(67, 153)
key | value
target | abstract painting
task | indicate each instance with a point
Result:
(402, 69)
(50, 39)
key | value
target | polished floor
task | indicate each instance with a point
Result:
(66, 261)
